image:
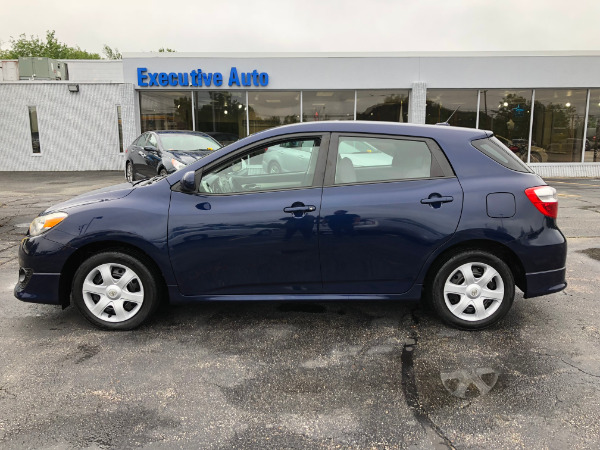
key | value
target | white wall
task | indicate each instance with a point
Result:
(78, 131)
(95, 70)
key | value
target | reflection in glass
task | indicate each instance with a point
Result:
(222, 114)
(389, 106)
(441, 103)
(162, 110)
(592, 149)
(33, 126)
(268, 109)
(508, 114)
(120, 125)
(327, 105)
(558, 121)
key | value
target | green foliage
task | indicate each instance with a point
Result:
(166, 50)
(110, 53)
(51, 48)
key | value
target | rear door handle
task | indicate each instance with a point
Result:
(141, 153)
(297, 209)
(430, 200)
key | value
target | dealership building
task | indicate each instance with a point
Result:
(544, 106)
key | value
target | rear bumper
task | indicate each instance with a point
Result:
(543, 283)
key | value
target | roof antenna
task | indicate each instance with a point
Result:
(448, 119)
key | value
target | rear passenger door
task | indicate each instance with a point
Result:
(388, 203)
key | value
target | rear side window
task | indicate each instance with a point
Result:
(367, 159)
(496, 150)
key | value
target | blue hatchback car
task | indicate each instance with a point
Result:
(370, 211)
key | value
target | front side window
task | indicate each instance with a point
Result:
(288, 164)
(361, 160)
(152, 141)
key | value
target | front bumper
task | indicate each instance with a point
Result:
(39, 288)
(40, 261)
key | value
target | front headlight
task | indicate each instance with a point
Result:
(43, 223)
(177, 164)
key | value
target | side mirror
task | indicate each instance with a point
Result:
(188, 182)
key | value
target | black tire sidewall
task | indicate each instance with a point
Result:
(446, 268)
(146, 277)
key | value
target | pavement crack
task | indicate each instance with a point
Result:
(571, 365)
(411, 394)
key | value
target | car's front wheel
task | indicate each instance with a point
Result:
(115, 290)
(473, 290)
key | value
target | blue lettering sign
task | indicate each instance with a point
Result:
(233, 77)
(197, 78)
(141, 77)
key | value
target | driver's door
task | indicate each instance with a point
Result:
(248, 231)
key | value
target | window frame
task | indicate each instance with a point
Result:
(318, 175)
(437, 155)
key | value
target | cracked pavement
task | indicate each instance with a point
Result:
(350, 375)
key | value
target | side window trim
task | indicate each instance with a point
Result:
(436, 154)
(318, 176)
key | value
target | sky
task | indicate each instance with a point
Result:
(309, 25)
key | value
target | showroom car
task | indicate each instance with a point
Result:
(163, 152)
(443, 214)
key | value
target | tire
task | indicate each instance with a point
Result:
(274, 167)
(129, 175)
(535, 158)
(108, 303)
(462, 300)
(163, 172)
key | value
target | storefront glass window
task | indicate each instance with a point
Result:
(222, 114)
(389, 106)
(161, 110)
(441, 103)
(592, 150)
(327, 105)
(558, 121)
(508, 114)
(268, 109)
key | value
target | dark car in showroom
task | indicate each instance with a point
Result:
(448, 215)
(164, 152)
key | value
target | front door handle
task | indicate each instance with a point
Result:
(299, 209)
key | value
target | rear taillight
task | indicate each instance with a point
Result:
(544, 199)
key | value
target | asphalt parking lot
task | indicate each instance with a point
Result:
(300, 375)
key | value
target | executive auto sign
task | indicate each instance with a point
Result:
(198, 78)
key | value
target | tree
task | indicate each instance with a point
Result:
(110, 53)
(51, 48)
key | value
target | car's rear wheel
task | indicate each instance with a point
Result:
(129, 176)
(472, 290)
(115, 290)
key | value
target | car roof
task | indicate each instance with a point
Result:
(364, 126)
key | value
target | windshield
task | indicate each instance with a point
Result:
(187, 142)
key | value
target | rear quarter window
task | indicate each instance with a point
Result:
(493, 148)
